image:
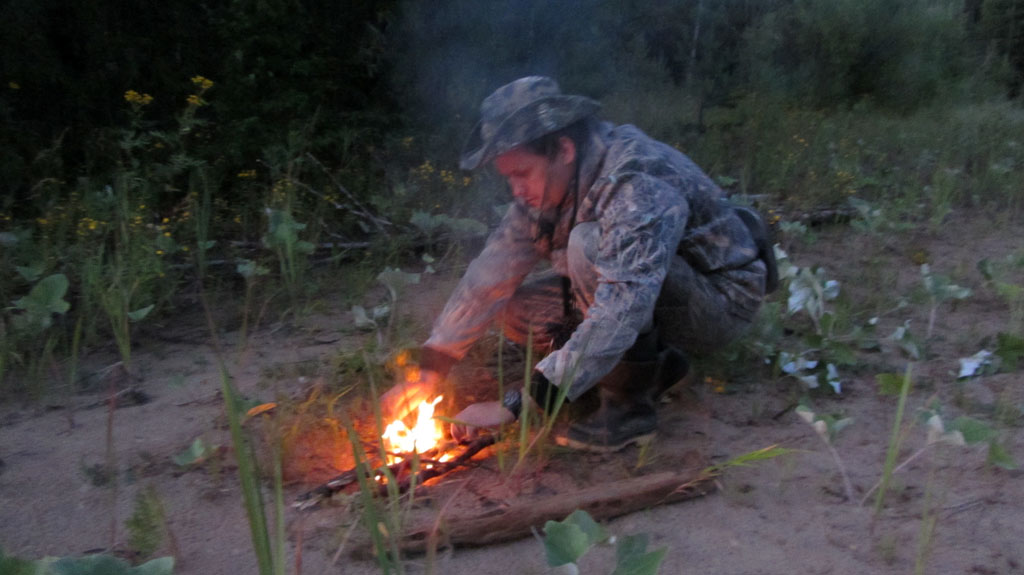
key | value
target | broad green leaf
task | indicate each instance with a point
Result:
(630, 546)
(15, 566)
(999, 456)
(645, 564)
(567, 540)
(974, 431)
(195, 453)
(595, 533)
(47, 296)
(108, 565)
(564, 543)
(426, 223)
(140, 313)
(31, 273)
(45, 299)
(632, 557)
(250, 269)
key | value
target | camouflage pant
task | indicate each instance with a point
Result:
(695, 312)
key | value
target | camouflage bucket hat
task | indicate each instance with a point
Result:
(520, 112)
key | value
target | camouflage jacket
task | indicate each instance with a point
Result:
(651, 202)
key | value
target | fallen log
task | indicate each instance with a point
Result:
(603, 501)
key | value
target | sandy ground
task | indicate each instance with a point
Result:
(786, 515)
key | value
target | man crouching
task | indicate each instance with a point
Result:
(648, 262)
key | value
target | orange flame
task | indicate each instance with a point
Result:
(425, 435)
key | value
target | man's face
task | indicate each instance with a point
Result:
(537, 181)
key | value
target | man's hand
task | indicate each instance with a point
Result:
(405, 397)
(486, 414)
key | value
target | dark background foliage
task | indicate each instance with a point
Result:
(343, 80)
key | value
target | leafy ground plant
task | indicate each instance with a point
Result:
(827, 427)
(566, 541)
(90, 565)
(32, 319)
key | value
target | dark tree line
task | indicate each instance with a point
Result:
(349, 74)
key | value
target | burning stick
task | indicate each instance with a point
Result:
(443, 467)
(397, 469)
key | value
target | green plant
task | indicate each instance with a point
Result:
(197, 452)
(939, 290)
(282, 238)
(830, 344)
(567, 540)
(147, 525)
(896, 436)
(31, 319)
(89, 565)
(827, 427)
(251, 271)
(1000, 275)
(382, 517)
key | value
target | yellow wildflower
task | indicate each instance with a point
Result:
(247, 174)
(14, 85)
(136, 99)
(203, 83)
(159, 252)
(195, 100)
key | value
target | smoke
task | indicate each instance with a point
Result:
(455, 52)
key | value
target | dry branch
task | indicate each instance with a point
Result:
(440, 469)
(601, 501)
(400, 470)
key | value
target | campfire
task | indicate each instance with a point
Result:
(415, 451)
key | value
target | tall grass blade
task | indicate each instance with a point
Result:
(247, 477)
(894, 441)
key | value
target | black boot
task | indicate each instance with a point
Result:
(672, 368)
(628, 394)
(626, 415)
